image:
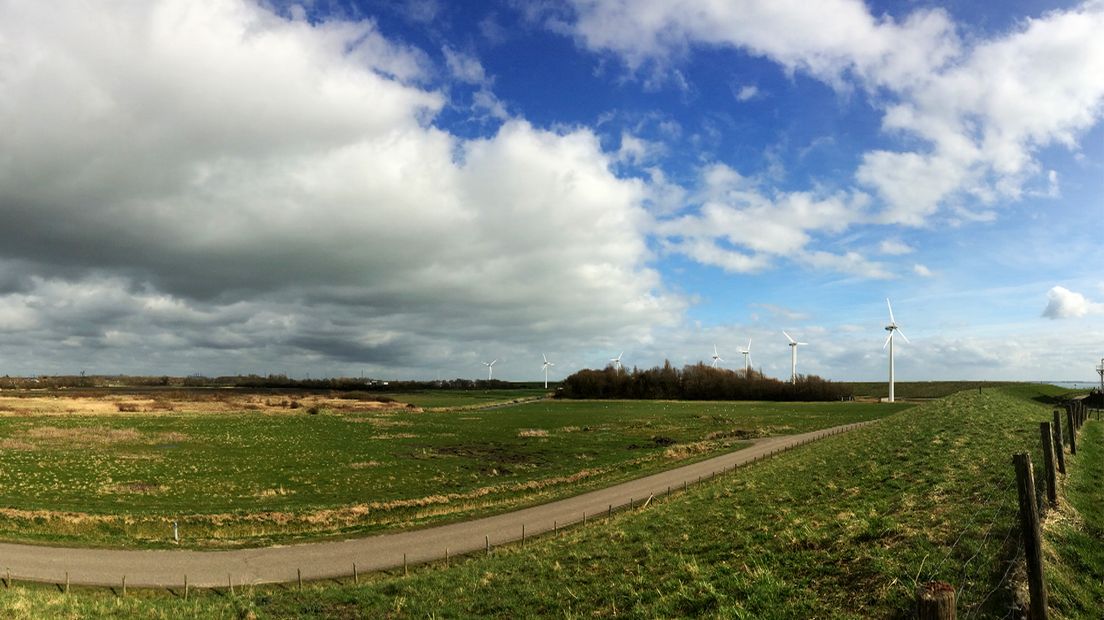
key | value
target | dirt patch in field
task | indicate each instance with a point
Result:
(143, 488)
(533, 432)
(210, 401)
(32, 438)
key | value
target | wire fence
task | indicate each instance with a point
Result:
(1006, 526)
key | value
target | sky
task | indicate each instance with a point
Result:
(407, 189)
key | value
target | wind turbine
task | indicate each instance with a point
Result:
(547, 364)
(490, 368)
(891, 328)
(747, 358)
(716, 357)
(793, 356)
(616, 361)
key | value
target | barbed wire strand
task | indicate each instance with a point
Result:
(1015, 560)
(970, 522)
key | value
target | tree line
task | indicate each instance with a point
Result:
(696, 382)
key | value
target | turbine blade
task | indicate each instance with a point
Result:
(890, 306)
(787, 336)
(545, 357)
(903, 335)
(801, 343)
(890, 337)
(749, 344)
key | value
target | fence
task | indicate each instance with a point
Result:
(183, 584)
(937, 600)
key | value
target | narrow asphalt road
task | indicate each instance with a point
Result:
(167, 568)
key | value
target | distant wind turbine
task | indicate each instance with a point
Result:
(490, 368)
(716, 357)
(891, 328)
(547, 364)
(747, 358)
(793, 356)
(616, 361)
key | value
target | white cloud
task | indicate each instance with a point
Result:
(464, 67)
(485, 102)
(637, 150)
(741, 228)
(922, 271)
(895, 247)
(1063, 303)
(216, 157)
(747, 92)
(981, 110)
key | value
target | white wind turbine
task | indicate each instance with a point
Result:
(891, 328)
(490, 368)
(747, 358)
(616, 361)
(716, 357)
(547, 365)
(793, 356)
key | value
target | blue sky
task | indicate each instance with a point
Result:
(409, 188)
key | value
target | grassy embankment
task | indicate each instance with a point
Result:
(920, 389)
(234, 479)
(1074, 537)
(842, 528)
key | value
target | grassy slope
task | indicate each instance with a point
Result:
(462, 398)
(217, 472)
(919, 389)
(1074, 551)
(838, 529)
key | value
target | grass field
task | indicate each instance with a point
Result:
(463, 398)
(842, 528)
(919, 389)
(1073, 548)
(254, 478)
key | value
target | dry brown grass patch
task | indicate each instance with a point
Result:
(533, 432)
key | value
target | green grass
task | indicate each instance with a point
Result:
(255, 479)
(462, 398)
(919, 389)
(1074, 551)
(841, 528)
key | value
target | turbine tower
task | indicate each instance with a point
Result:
(891, 328)
(716, 357)
(547, 364)
(793, 356)
(1100, 371)
(747, 358)
(616, 361)
(490, 368)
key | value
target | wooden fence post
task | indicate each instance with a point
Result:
(935, 601)
(1047, 438)
(1058, 451)
(1032, 537)
(1072, 432)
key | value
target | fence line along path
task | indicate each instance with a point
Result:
(322, 560)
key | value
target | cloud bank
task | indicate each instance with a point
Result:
(218, 181)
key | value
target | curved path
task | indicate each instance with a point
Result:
(167, 568)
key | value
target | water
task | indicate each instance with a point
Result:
(1075, 385)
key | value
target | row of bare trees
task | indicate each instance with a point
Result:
(696, 382)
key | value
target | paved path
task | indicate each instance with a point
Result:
(167, 568)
